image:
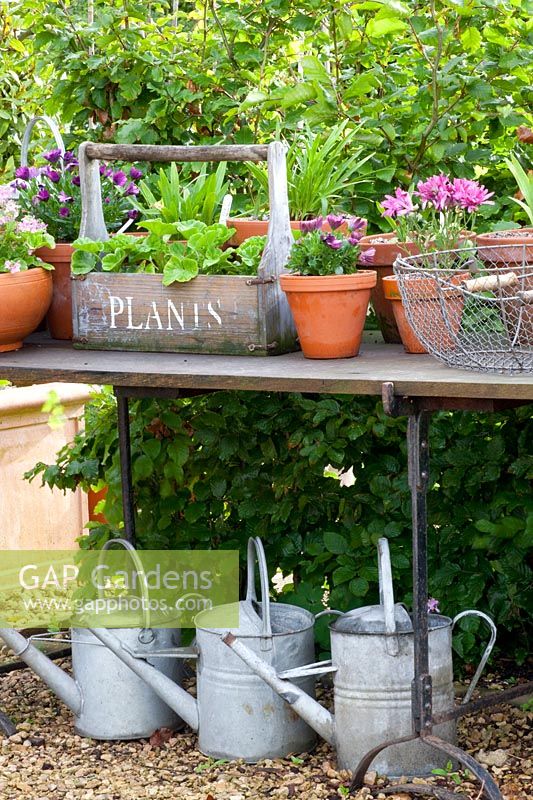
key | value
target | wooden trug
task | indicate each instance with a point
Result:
(236, 315)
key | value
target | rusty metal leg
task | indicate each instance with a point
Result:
(488, 784)
(6, 725)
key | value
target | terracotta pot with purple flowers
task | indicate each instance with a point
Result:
(328, 295)
(51, 192)
(438, 215)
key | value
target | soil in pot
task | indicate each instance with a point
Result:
(59, 317)
(388, 248)
(329, 311)
(392, 294)
(24, 300)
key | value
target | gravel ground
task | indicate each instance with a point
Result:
(45, 760)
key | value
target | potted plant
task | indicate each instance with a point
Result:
(51, 192)
(327, 294)
(438, 223)
(320, 173)
(25, 280)
(516, 243)
(438, 215)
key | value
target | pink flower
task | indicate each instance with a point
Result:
(367, 257)
(30, 225)
(436, 191)
(470, 194)
(10, 212)
(12, 266)
(6, 193)
(397, 205)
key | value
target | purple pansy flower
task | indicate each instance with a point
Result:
(131, 189)
(332, 241)
(69, 158)
(335, 221)
(119, 178)
(43, 194)
(23, 173)
(52, 156)
(355, 237)
(105, 171)
(53, 175)
(309, 225)
(135, 173)
(64, 211)
(76, 180)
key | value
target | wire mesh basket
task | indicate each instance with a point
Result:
(471, 308)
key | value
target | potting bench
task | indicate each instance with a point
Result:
(411, 386)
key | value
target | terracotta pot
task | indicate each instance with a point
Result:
(513, 246)
(246, 228)
(93, 498)
(59, 317)
(329, 311)
(386, 254)
(392, 294)
(435, 322)
(24, 300)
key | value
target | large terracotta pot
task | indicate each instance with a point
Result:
(24, 300)
(329, 311)
(387, 251)
(392, 294)
(59, 317)
(507, 247)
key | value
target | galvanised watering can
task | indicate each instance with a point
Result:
(372, 656)
(108, 700)
(237, 714)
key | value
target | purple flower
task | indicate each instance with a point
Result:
(367, 257)
(23, 173)
(34, 171)
(107, 199)
(335, 221)
(52, 156)
(53, 175)
(433, 606)
(332, 241)
(119, 178)
(398, 204)
(470, 194)
(310, 225)
(133, 214)
(12, 266)
(76, 180)
(436, 191)
(70, 158)
(65, 198)
(131, 189)
(105, 170)
(135, 174)
(355, 237)
(357, 224)
(64, 211)
(18, 184)
(43, 194)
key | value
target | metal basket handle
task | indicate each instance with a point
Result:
(256, 550)
(147, 630)
(27, 137)
(488, 649)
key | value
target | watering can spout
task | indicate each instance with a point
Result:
(59, 682)
(173, 695)
(301, 703)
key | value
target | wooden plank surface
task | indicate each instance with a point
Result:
(415, 375)
(163, 152)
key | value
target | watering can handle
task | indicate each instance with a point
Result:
(488, 649)
(60, 144)
(256, 550)
(140, 569)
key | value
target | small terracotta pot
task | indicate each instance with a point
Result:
(24, 300)
(409, 338)
(329, 311)
(93, 498)
(386, 254)
(59, 317)
(246, 228)
(510, 249)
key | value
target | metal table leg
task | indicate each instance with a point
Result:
(418, 413)
(124, 444)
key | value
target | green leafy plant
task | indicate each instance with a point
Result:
(318, 253)
(174, 200)
(321, 171)
(449, 772)
(525, 184)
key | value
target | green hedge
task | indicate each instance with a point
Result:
(213, 470)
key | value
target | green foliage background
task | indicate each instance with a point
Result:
(212, 470)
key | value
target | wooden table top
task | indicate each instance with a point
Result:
(413, 375)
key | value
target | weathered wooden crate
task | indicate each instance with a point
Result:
(235, 314)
